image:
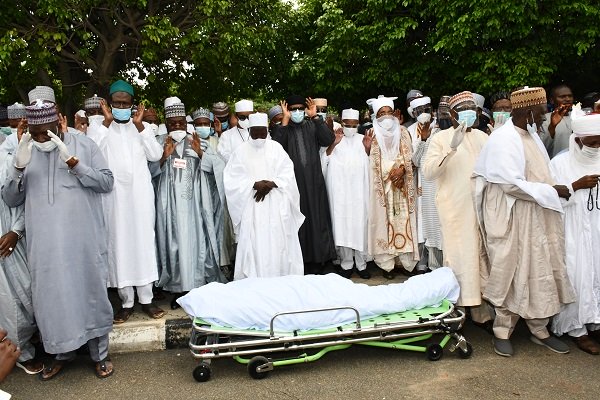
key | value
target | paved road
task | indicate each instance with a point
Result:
(356, 373)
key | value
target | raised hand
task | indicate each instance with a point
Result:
(168, 149)
(311, 107)
(21, 128)
(368, 140)
(138, 117)
(286, 113)
(108, 117)
(218, 126)
(196, 145)
(62, 123)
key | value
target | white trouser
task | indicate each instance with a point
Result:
(144, 293)
(387, 262)
(350, 256)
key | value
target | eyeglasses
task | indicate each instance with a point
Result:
(242, 117)
(120, 104)
(301, 108)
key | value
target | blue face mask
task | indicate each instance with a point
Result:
(469, 116)
(224, 126)
(203, 131)
(297, 116)
(121, 114)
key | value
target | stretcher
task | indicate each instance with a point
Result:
(262, 351)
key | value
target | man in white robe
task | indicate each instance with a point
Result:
(129, 211)
(235, 136)
(449, 162)
(264, 204)
(346, 170)
(519, 211)
(579, 169)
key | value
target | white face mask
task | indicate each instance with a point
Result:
(46, 147)
(96, 119)
(244, 124)
(424, 118)
(386, 122)
(590, 152)
(349, 132)
(178, 135)
(258, 143)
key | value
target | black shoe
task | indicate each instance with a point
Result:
(389, 274)
(364, 274)
(346, 273)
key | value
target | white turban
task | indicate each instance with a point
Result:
(582, 124)
(382, 102)
(420, 101)
(244, 106)
(259, 119)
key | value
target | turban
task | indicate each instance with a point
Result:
(295, 99)
(92, 103)
(41, 113)
(244, 106)
(419, 102)
(16, 111)
(350, 113)
(382, 102)
(528, 97)
(121, 86)
(43, 93)
(201, 113)
(582, 124)
(275, 111)
(460, 98)
(175, 110)
(258, 119)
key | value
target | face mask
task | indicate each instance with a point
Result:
(500, 117)
(121, 114)
(386, 122)
(468, 116)
(258, 143)
(244, 124)
(153, 128)
(409, 110)
(178, 135)
(224, 126)
(424, 118)
(297, 116)
(349, 132)
(96, 119)
(203, 131)
(46, 147)
(322, 115)
(590, 152)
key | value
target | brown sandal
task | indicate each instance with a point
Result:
(104, 368)
(122, 315)
(54, 369)
(153, 311)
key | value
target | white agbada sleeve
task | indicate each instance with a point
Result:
(502, 161)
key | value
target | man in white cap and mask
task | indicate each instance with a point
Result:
(520, 212)
(428, 223)
(233, 137)
(93, 110)
(128, 145)
(346, 171)
(264, 204)
(275, 117)
(410, 96)
(186, 186)
(16, 113)
(392, 203)
(449, 162)
(579, 170)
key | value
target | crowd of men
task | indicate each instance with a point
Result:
(504, 192)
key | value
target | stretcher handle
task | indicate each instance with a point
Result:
(272, 332)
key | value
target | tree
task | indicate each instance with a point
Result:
(193, 49)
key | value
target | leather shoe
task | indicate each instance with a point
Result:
(364, 274)
(586, 344)
(389, 274)
(346, 273)
(122, 315)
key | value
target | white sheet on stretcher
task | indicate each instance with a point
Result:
(251, 303)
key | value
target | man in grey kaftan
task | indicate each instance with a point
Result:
(60, 182)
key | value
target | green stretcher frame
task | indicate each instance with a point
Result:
(405, 329)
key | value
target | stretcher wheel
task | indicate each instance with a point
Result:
(202, 372)
(253, 365)
(434, 352)
(466, 353)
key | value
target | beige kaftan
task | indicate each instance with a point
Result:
(462, 245)
(392, 213)
(525, 244)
